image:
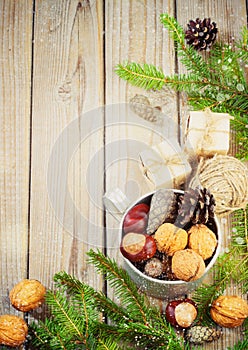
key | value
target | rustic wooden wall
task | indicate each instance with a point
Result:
(67, 134)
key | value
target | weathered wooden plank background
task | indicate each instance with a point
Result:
(61, 149)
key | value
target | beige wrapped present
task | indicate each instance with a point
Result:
(165, 165)
(207, 133)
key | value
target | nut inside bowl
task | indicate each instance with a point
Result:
(160, 286)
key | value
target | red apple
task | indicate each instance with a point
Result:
(181, 313)
(136, 219)
(138, 246)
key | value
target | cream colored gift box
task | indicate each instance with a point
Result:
(165, 165)
(207, 133)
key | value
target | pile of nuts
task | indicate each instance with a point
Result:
(25, 296)
(169, 252)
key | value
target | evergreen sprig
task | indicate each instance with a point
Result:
(146, 76)
(216, 80)
(73, 317)
(141, 324)
(76, 320)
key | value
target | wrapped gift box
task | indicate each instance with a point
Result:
(207, 133)
(165, 165)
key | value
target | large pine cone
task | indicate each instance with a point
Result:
(201, 34)
(195, 206)
(162, 209)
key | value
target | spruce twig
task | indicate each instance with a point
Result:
(76, 315)
(143, 323)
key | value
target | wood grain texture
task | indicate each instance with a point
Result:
(133, 33)
(84, 139)
(15, 92)
(67, 82)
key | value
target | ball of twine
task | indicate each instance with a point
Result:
(226, 178)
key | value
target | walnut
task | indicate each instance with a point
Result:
(170, 238)
(229, 311)
(202, 240)
(27, 295)
(13, 330)
(187, 265)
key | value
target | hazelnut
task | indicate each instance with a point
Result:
(202, 240)
(13, 330)
(181, 313)
(154, 267)
(27, 295)
(229, 311)
(138, 246)
(187, 265)
(170, 238)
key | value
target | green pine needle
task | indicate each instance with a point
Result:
(136, 304)
(145, 76)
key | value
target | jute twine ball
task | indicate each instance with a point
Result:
(226, 178)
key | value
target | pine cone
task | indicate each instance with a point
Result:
(201, 34)
(162, 208)
(140, 105)
(195, 206)
(200, 334)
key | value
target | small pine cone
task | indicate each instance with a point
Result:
(201, 33)
(140, 105)
(195, 206)
(200, 334)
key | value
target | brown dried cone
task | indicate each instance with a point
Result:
(27, 295)
(162, 208)
(196, 206)
(201, 34)
(13, 330)
(201, 334)
(140, 105)
(229, 311)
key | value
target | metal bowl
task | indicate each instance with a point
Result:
(164, 289)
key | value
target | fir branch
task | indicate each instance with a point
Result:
(108, 345)
(142, 323)
(241, 345)
(154, 336)
(111, 310)
(189, 57)
(242, 45)
(144, 76)
(76, 315)
(72, 325)
(135, 303)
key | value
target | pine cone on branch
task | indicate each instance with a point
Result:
(201, 33)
